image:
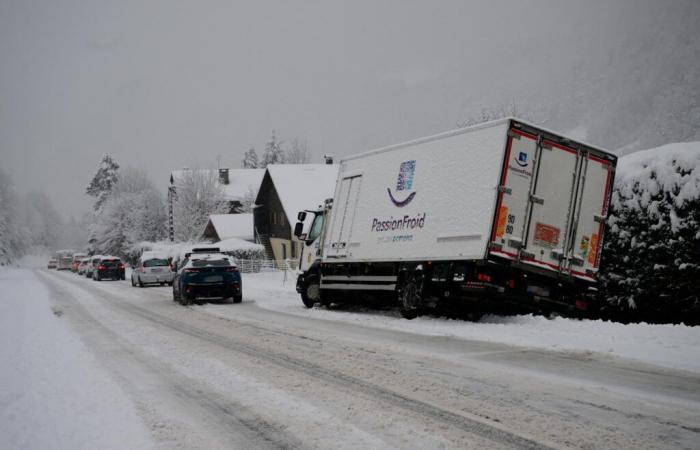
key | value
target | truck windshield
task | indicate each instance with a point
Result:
(316, 228)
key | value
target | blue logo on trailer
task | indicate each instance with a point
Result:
(522, 159)
(404, 183)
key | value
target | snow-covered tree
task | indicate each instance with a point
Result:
(273, 153)
(42, 222)
(250, 159)
(197, 195)
(104, 180)
(12, 238)
(651, 259)
(134, 212)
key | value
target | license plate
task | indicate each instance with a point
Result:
(156, 270)
(213, 279)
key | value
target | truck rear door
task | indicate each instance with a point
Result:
(591, 208)
(550, 205)
(343, 216)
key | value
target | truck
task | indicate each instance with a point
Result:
(500, 217)
(64, 259)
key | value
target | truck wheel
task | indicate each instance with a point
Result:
(410, 298)
(311, 292)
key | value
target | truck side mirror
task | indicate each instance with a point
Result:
(298, 230)
(301, 216)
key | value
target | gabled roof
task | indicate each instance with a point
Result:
(241, 181)
(302, 186)
(229, 226)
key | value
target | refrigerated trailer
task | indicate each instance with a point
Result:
(502, 216)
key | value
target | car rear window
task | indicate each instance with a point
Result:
(155, 262)
(111, 262)
(219, 262)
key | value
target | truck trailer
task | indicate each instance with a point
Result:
(503, 216)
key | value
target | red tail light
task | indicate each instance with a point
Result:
(483, 277)
(232, 269)
(511, 283)
(101, 267)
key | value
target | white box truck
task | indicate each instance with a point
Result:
(500, 217)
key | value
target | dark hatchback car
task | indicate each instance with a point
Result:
(207, 275)
(110, 267)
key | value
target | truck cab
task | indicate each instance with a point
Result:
(310, 230)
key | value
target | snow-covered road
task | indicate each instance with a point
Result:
(242, 376)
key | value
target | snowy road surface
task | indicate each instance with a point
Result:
(105, 365)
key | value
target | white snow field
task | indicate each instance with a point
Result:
(53, 393)
(675, 346)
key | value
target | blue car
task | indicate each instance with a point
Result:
(207, 274)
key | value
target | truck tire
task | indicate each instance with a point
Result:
(411, 297)
(311, 292)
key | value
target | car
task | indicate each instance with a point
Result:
(93, 261)
(207, 274)
(77, 257)
(152, 268)
(52, 264)
(82, 266)
(108, 267)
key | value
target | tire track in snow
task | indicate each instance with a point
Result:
(472, 425)
(242, 426)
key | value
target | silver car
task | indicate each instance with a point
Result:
(151, 269)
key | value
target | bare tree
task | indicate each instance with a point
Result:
(298, 152)
(197, 195)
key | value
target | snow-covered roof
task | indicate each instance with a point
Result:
(241, 181)
(233, 226)
(233, 244)
(302, 186)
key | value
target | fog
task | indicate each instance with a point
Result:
(163, 84)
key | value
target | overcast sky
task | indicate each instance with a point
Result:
(169, 84)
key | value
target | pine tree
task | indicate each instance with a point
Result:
(104, 180)
(250, 159)
(273, 153)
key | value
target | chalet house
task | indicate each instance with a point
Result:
(285, 190)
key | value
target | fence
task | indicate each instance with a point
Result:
(265, 265)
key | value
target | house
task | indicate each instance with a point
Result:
(240, 186)
(221, 227)
(285, 190)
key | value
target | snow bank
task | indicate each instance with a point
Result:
(53, 393)
(675, 346)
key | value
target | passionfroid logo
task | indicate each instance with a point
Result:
(404, 183)
(521, 159)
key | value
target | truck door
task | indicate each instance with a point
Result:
(344, 216)
(591, 208)
(550, 205)
(516, 180)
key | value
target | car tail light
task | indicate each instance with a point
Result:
(511, 284)
(581, 304)
(236, 287)
(483, 277)
(192, 271)
(101, 267)
(232, 269)
(120, 266)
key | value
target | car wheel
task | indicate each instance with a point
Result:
(237, 298)
(133, 283)
(311, 292)
(96, 277)
(140, 283)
